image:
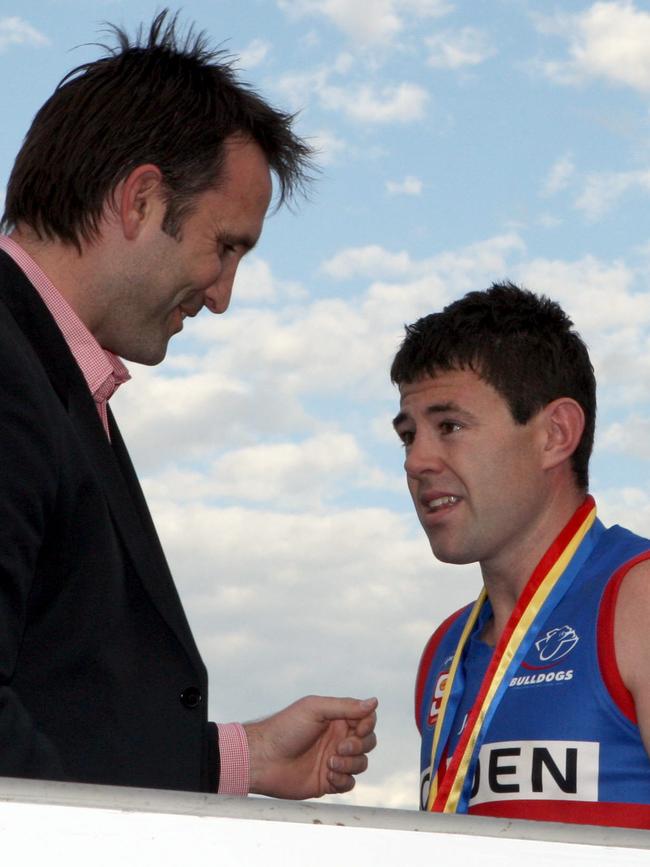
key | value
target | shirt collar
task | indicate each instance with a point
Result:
(103, 371)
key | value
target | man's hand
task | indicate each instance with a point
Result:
(313, 747)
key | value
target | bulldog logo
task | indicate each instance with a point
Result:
(556, 643)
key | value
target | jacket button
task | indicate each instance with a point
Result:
(191, 697)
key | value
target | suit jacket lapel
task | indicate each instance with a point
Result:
(115, 472)
(155, 572)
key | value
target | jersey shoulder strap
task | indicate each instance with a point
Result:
(427, 657)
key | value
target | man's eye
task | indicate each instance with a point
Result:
(448, 427)
(406, 436)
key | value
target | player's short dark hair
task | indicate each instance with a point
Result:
(524, 345)
(165, 98)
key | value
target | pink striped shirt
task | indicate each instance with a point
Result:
(104, 372)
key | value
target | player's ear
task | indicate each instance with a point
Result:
(138, 199)
(563, 422)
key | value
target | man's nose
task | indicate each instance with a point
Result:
(217, 296)
(423, 456)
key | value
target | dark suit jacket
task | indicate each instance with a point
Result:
(100, 678)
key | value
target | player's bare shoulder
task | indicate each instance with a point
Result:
(631, 627)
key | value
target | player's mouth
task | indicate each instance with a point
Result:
(439, 503)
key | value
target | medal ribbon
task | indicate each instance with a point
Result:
(449, 791)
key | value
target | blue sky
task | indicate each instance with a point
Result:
(459, 143)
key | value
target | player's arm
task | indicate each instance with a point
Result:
(631, 631)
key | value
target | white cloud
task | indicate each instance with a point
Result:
(368, 104)
(609, 40)
(490, 257)
(254, 281)
(254, 53)
(382, 428)
(363, 102)
(455, 49)
(343, 63)
(558, 176)
(425, 8)
(549, 221)
(15, 31)
(612, 318)
(627, 506)
(368, 261)
(432, 283)
(596, 294)
(630, 438)
(371, 21)
(194, 407)
(410, 186)
(421, 286)
(328, 147)
(368, 22)
(456, 265)
(286, 474)
(603, 190)
(298, 87)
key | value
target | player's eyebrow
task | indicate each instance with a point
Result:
(437, 409)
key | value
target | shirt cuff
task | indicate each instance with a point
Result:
(234, 755)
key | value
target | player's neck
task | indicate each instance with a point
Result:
(506, 576)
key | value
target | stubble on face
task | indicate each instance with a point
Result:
(161, 279)
(472, 471)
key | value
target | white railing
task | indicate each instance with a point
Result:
(47, 823)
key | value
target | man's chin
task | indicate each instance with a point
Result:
(149, 355)
(450, 555)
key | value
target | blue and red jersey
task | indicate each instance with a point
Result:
(564, 744)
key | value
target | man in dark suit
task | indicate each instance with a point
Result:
(142, 182)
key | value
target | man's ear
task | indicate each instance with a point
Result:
(138, 199)
(564, 422)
